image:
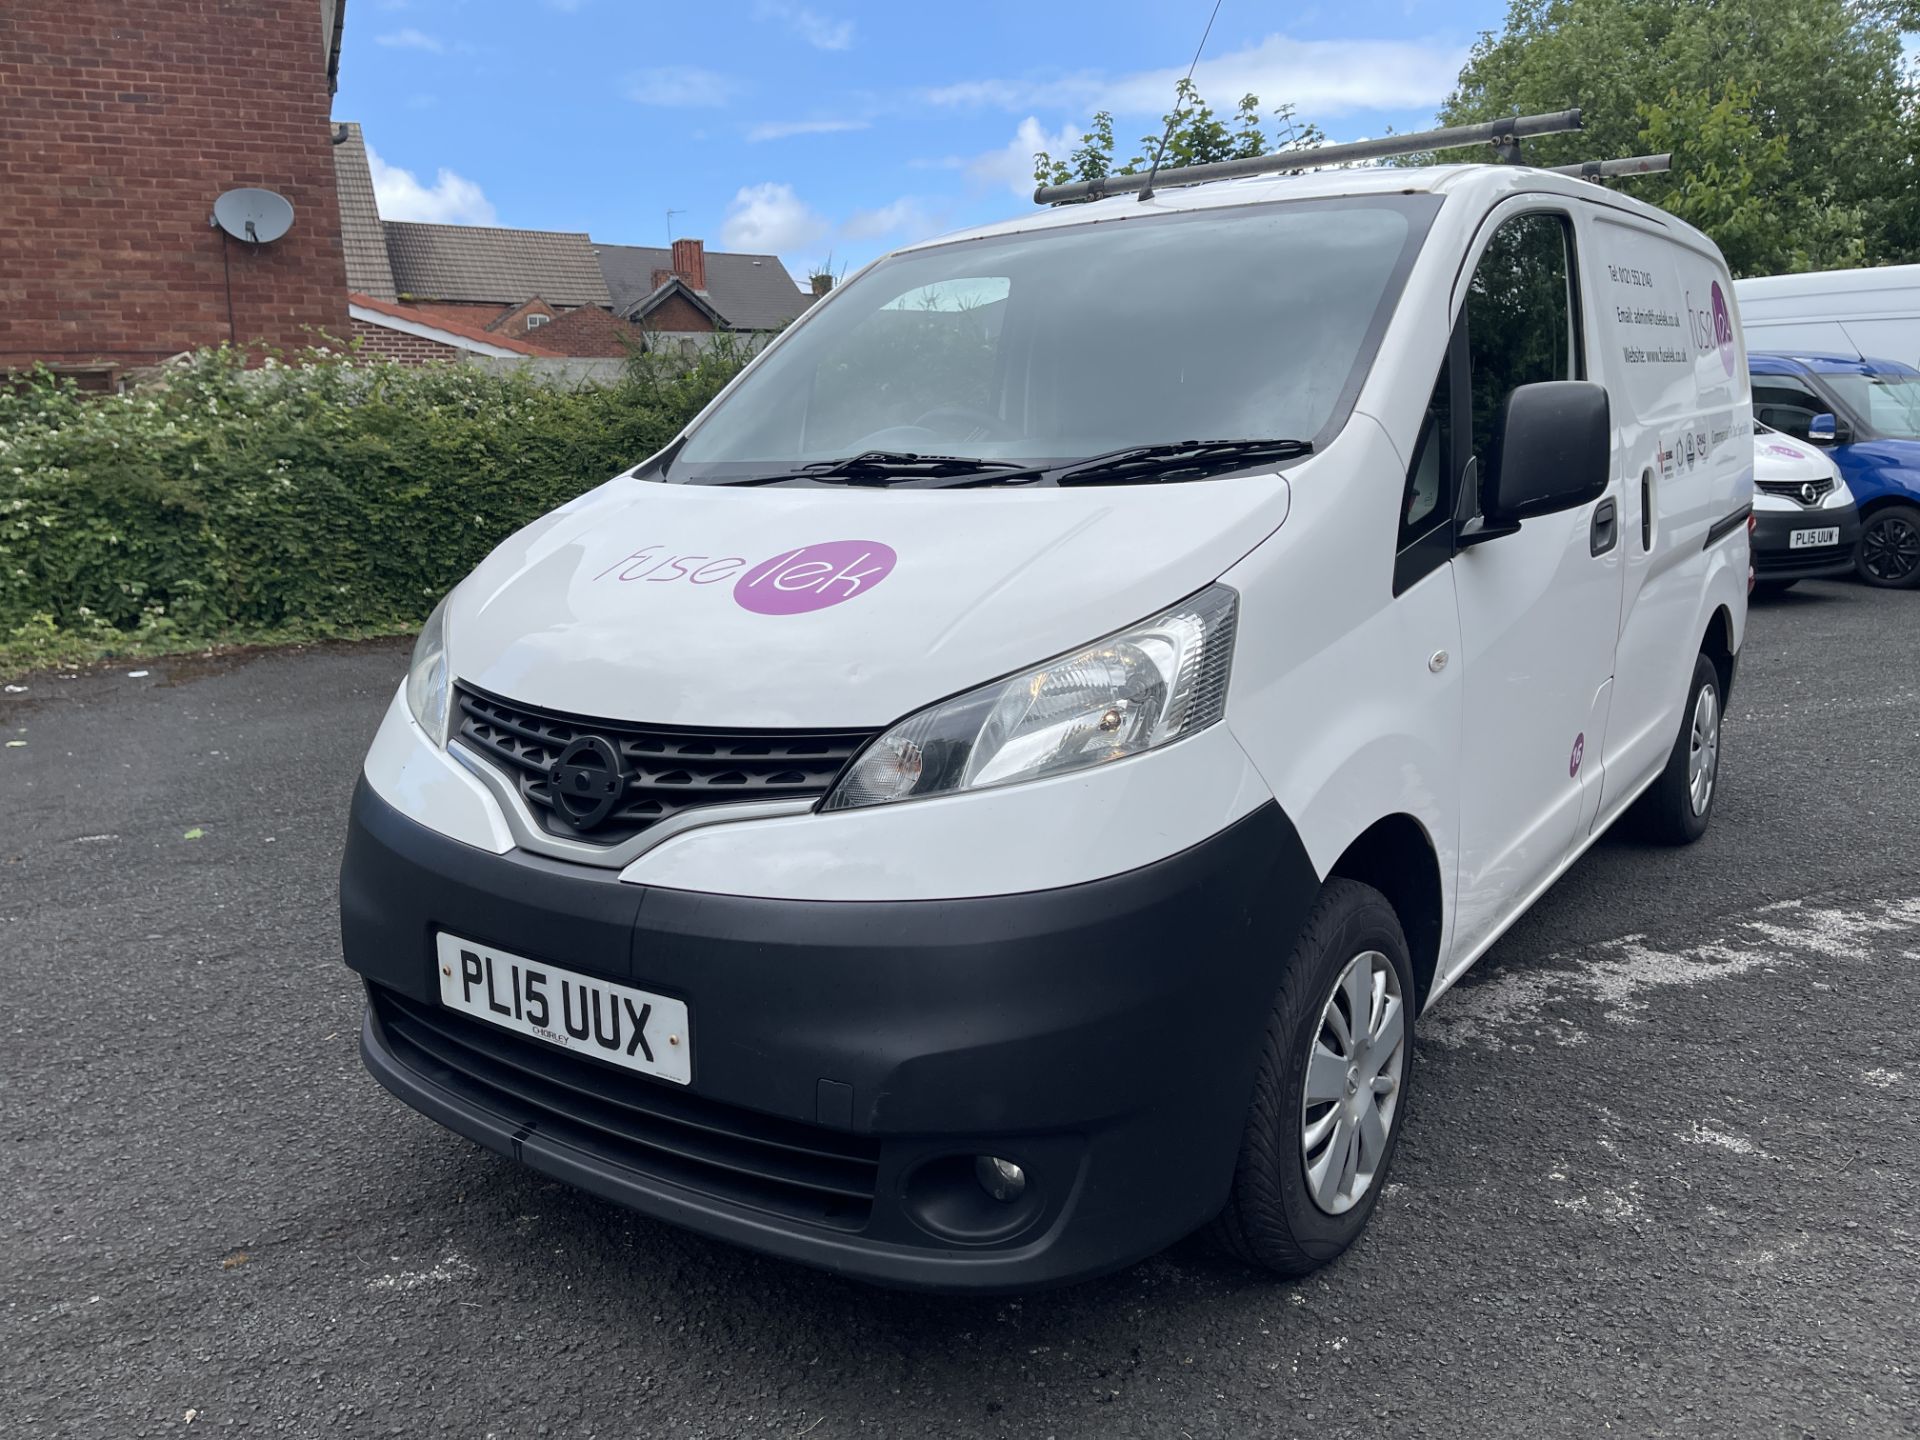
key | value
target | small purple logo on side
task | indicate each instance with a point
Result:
(1785, 452)
(813, 577)
(1722, 327)
(1579, 753)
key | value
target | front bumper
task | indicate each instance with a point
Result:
(850, 1058)
(1772, 535)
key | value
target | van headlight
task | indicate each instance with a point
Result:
(1836, 497)
(427, 677)
(1149, 685)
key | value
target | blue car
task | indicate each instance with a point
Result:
(1864, 413)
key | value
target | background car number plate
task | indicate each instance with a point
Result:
(1809, 539)
(610, 1022)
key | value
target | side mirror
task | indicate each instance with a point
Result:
(1555, 449)
(1824, 429)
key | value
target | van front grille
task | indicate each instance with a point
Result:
(660, 772)
(1806, 492)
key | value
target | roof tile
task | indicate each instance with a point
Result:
(752, 292)
(484, 262)
(360, 235)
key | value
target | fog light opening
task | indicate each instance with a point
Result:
(1002, 1179)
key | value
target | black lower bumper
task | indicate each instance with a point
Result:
(851, 1059)
(1773, 531)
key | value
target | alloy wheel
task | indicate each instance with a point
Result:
(1352, 1091)
(1890, 549)
(1703, 749)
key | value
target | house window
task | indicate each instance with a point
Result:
(535, 321)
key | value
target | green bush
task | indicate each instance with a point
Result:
(337, 495)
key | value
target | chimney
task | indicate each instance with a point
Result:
(690, 262)
(821, 283)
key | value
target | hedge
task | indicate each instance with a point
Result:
(335, 495)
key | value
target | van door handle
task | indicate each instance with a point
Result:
(1606, 526)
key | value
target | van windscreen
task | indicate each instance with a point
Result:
(1065, 342)
(1890, 401)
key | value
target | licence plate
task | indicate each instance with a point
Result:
(1812, 539)
(610, 1022)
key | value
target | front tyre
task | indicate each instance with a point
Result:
(1889, 553)
(1678, 806)
(1331, 1089)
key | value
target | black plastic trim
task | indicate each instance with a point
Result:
(1725, 526)
(1105, 1036)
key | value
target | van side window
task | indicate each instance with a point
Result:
(1522, 321)
(1785, 404)
(1425, 503)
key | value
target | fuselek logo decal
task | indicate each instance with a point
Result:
(808, 577)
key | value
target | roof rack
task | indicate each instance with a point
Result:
(1615, 169)
(1504, 135)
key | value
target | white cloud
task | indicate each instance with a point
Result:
(1321, 77)
(781, 129)
(810, 25)
(411, 39)
(1012, 164)
(451, 200)
(771, 218)
(681, 86)
(907, 219)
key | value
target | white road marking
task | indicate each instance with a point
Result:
(1705, 1135)
(1620, 974)
(451, 1268)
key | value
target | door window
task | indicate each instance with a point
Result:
(1785, 404)
(1426, 503)
(1522, 322)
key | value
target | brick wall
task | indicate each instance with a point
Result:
(676, 314)
(120, 122)
(396, 345)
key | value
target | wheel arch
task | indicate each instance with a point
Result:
(1397, 857)
(1887, 501)
(1717, 645)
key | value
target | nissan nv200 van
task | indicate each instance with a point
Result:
(1805, 523)
(993, 795)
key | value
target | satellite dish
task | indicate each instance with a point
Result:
(256, 216)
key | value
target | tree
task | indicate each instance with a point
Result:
(1194, 136)
(1791, 122)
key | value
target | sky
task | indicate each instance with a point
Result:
(828, 132)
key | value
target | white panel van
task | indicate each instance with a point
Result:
(1869, 313)
(993, 795)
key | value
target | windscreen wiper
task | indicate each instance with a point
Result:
(1176, 457)
(892, 467)
(1131, 462)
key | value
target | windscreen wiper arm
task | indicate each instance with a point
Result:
(887, 467)
(1177, 457)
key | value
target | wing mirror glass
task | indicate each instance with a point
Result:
(1555, 452)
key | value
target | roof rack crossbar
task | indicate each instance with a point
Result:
(1613, 169)
(1501, 134)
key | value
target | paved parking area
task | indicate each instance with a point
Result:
(1659, 1176)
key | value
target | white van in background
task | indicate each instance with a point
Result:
(994, 794)
(1861, 313)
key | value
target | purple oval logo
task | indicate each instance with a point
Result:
(1722, 328)
(1579, 754)
(813, 577)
